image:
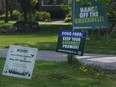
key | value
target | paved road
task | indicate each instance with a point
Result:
(104, 61)
(42, 55)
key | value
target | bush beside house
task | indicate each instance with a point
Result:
(68, 17)
(42, 16)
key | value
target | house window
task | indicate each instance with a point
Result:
(54, 2)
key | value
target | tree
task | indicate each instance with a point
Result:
(13, 4)
(2, 7)
(27, 7)
(6, 10)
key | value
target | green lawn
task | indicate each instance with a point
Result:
(28, 39)
(46, 39)
(106, 45)
(60, 74)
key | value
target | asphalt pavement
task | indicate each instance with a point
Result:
(104, 61)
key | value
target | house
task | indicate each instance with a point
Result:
(55, 7)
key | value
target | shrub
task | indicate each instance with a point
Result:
(42, 16)
(68, 18)
(15, 15)
(3, 16)
(25, 26)
(68, 15)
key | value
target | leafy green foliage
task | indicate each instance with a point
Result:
(68, 18)
(15, 15)
(3, 16)
(28, 8)
(42, 16)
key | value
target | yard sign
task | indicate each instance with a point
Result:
(91, 16)
(20, 62)
(71, 42)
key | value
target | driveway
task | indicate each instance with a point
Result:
(102, 60)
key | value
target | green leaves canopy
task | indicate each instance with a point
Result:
(27, 7)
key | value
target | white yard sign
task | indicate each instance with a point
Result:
(20, 62)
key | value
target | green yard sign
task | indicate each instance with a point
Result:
(90, 16)
(71, 42)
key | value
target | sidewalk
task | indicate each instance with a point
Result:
(105, 61)
(102, 60)
(60, 22)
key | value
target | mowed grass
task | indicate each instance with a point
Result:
(28, 39)
(59, 74)
(46, 36)
(105, 45)
(46, 39)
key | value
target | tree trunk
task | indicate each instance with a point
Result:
(11, 14)
(6, 10)
(25, 15)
